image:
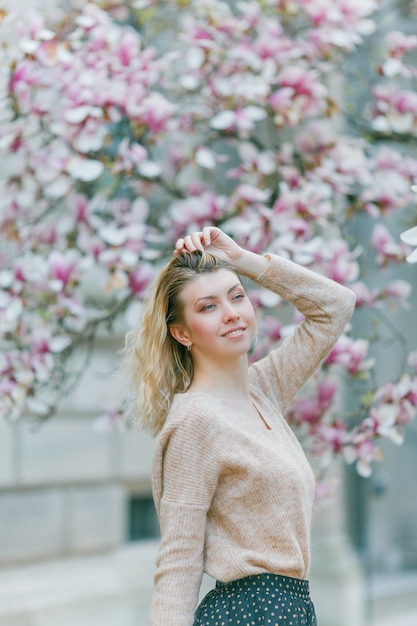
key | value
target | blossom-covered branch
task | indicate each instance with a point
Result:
(124, 125)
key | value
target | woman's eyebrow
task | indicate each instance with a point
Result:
(214, 297)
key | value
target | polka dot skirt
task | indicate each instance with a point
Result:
(259, 600)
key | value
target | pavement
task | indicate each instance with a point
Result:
(406, 618)
(393, 601)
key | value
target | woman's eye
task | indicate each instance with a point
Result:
(239, 296)
(208, 307)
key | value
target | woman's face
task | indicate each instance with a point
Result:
(219, 318)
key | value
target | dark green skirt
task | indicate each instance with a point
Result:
(259, 600)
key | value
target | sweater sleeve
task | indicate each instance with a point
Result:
(185, 475)
(326, 306)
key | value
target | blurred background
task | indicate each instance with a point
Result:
(78, 529)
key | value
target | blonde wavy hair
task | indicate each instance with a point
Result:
(155, 366)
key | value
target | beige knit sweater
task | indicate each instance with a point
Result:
(233, 497)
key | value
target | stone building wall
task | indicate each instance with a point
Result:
(65, 486)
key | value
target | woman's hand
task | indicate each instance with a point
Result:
(215, 241)
(212, 240)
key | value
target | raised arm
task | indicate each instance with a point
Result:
(325, 304)
(327, 307)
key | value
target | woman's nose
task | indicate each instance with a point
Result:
(230, 313)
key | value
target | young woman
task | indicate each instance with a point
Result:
(232, 486)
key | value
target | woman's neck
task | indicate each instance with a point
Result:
(229, 382)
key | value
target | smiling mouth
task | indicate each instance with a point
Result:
(235, 331)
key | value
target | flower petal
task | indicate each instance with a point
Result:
(205, 158)
(412, 258)
(223, 120)
(84, 169)
(410, 236)
(149, 169)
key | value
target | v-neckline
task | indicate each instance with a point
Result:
(267, 426)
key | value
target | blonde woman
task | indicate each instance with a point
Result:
(231, 484)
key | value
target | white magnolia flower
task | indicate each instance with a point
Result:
(410, 237)
(84, 169)
(149, 169)
(205, 158)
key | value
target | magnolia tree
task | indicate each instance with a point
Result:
(125, 124)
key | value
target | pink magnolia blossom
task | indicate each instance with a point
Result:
(405, 389)
(316, 138)
(399, 44)
(330, 437)
(129, 48)
(351, 355)
(301, 94)
(251, 227)
(139, 279)
(243, 120)
(383, 422)
(155, 112)
(11, 309)
(397, 292)
(363, 452)
(129, 156)
(195, 212)
(309, 409)
(395, 110)
(364, 295)
(271, 336)
(307, 201)
(63, 268)
(386, 248)
(338, 262)
(325, 492)
(16, 379)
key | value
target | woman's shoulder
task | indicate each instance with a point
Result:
(193, 411)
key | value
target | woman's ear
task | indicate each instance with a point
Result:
(180, 334)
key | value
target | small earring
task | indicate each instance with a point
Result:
(189, 348)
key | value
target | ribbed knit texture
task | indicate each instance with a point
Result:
(233, 497)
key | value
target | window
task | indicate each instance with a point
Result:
(142, 518)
